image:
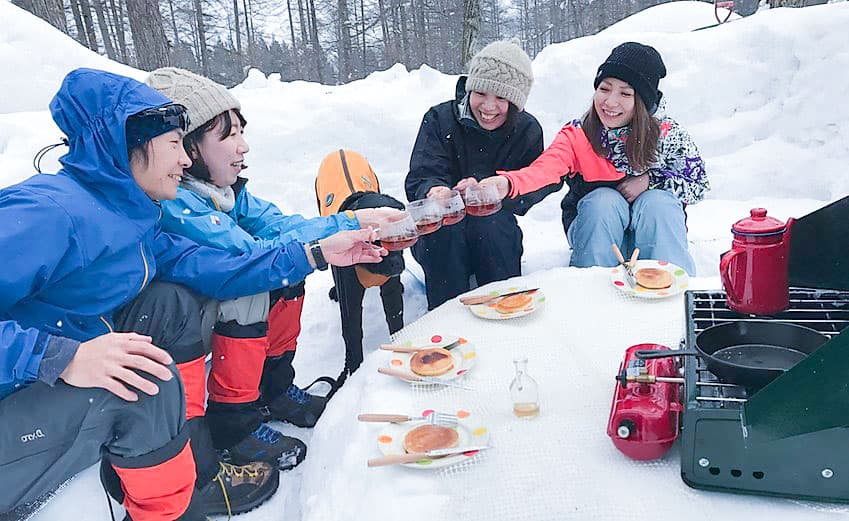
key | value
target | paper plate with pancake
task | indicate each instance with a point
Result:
(655, 279)
(434, 360)
(513, 306)
(403, 438)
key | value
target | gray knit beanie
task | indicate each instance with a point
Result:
(203, 98)
(504, 69)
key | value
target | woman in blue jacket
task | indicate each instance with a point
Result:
(96, 306)
(254, 338)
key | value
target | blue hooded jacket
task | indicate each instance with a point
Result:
(80, 244)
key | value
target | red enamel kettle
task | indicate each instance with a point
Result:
(754, 272)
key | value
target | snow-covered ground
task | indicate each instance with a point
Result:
(765, 98)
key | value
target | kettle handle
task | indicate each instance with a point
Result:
(725, 273)
(788, 233)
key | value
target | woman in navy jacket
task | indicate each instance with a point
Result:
(462, 141)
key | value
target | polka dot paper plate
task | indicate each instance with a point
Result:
(470, 430)
(488, 311)
(680, 280)
(463, 354)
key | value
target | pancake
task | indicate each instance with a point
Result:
(431, 362)
(430, 437)
(513, 303)
(653, 278)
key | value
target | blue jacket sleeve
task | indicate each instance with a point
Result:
(258, 224)
(264, 221)
(21, 351)
(37, 241)
(224, 275)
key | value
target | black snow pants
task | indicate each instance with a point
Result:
(490, 248)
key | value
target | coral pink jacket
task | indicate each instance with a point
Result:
(570, 154)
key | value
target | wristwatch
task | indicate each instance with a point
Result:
(317, 256)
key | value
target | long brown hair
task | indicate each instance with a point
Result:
(641, 145)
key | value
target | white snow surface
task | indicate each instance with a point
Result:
(764, 98)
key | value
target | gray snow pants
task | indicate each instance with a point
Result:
(49, 434)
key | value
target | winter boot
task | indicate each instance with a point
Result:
(269, 445)
(240, 437)
(237, 489)
(297, 407)
(286, 401)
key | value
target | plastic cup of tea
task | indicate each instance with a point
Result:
(427, 215)
(398, 233)
(453, 209)
(481, 200)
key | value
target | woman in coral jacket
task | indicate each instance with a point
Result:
(631, 170)
(254, 337)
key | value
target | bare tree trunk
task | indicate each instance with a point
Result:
(304, 23)
(306, 36)
(195, 41)
(405, 38)
(113, 27)
(248, 34)
(149, 39)
(173, 22)
(316, 47)
(415, 48)
(295, 56)
(88, 22)
(525, 22)
(471, 27)
(396, 32)
(420, 20)
(78, 23)
(104, 30)
(51, 11)
(118, 16)
(363, 21)
(344, 41)
(384, 29)
(199, 24)
(238, 32)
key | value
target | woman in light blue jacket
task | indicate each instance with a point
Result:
(254, 338)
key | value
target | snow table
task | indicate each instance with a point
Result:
(560, 465)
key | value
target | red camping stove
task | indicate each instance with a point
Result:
(644, 415)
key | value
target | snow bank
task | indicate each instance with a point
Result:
(36, 56)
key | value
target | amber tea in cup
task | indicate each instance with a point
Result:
(481, 200)
(453, 209)
(427, 215)
(398, 233)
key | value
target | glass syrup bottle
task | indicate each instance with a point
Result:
(524, 391)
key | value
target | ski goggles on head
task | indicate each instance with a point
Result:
(149, 123)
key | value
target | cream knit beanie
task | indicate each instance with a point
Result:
(203, 98)
(501, 68)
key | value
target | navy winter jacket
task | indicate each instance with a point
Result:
(450, 148)
(80, 244)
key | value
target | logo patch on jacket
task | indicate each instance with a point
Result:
(32, 436)
(215, 220)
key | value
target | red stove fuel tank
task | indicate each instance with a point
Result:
(643, 421)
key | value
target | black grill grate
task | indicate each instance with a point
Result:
(824, 311)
